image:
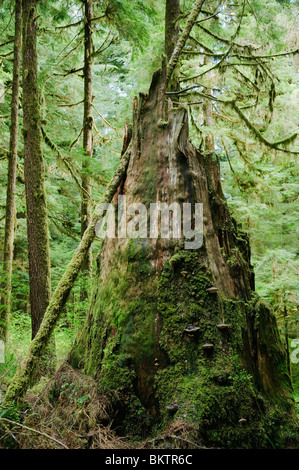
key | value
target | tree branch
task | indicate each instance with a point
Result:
(7, 42)
(261, 138)
(68, 165)
(65, 105)
(183, 37)
(70, 25)
(26, 370)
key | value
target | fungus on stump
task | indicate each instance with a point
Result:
(149, 290)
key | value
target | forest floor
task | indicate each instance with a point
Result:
(74, 418)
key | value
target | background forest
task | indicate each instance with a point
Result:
(241, 52)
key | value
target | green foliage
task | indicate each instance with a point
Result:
(260, 184)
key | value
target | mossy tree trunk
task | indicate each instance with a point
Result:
(136, 340)
(28, 368)
(87, 130)
(34, 171)
(10, 215)
(177, 336)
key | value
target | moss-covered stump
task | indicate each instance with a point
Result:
(175, 334)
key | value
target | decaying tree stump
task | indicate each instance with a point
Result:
(177, 333)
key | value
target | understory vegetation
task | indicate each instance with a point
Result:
(237, 77)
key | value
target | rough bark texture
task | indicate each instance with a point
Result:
(37, 224)
(11, 181)
(87, 129)
(148, 291)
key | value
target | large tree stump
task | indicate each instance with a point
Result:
(158, 339)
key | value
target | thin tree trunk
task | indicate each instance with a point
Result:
(27, 370)
(87, 130)
(172, 33)
(37, 223)
(183, 38)
(172, 26)
(208, 118)
(11, 182)
(286, 335)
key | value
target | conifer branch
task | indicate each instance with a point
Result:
(69, 25)
(105, 120)
(68, 165)
(260, 137)
(76, 140)
(7, 42)
(65, 105)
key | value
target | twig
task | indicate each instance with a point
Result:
(182, 91)
(34, 430)
(76, 140)
(227, 156)
(105, 121)
(208, 18)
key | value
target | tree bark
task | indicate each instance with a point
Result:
(208, 118)
(34, 171)
(172, 26)
(87, 130)
(11, 181)
(136, 340)
(172, 34)
(183, 38)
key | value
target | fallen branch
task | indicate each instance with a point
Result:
(27, 369)
(34, 430)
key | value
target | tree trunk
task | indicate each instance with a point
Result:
(87, 130)
(208, 118)
(37, 224)
(28, 368)
(11, 181)
(177, 336)
(172, 26)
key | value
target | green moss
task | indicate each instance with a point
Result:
(137, 346)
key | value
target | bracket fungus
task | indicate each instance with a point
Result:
(172, 407)
(223, 326)
(212, 290)
(191, 329)
(190, 332)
